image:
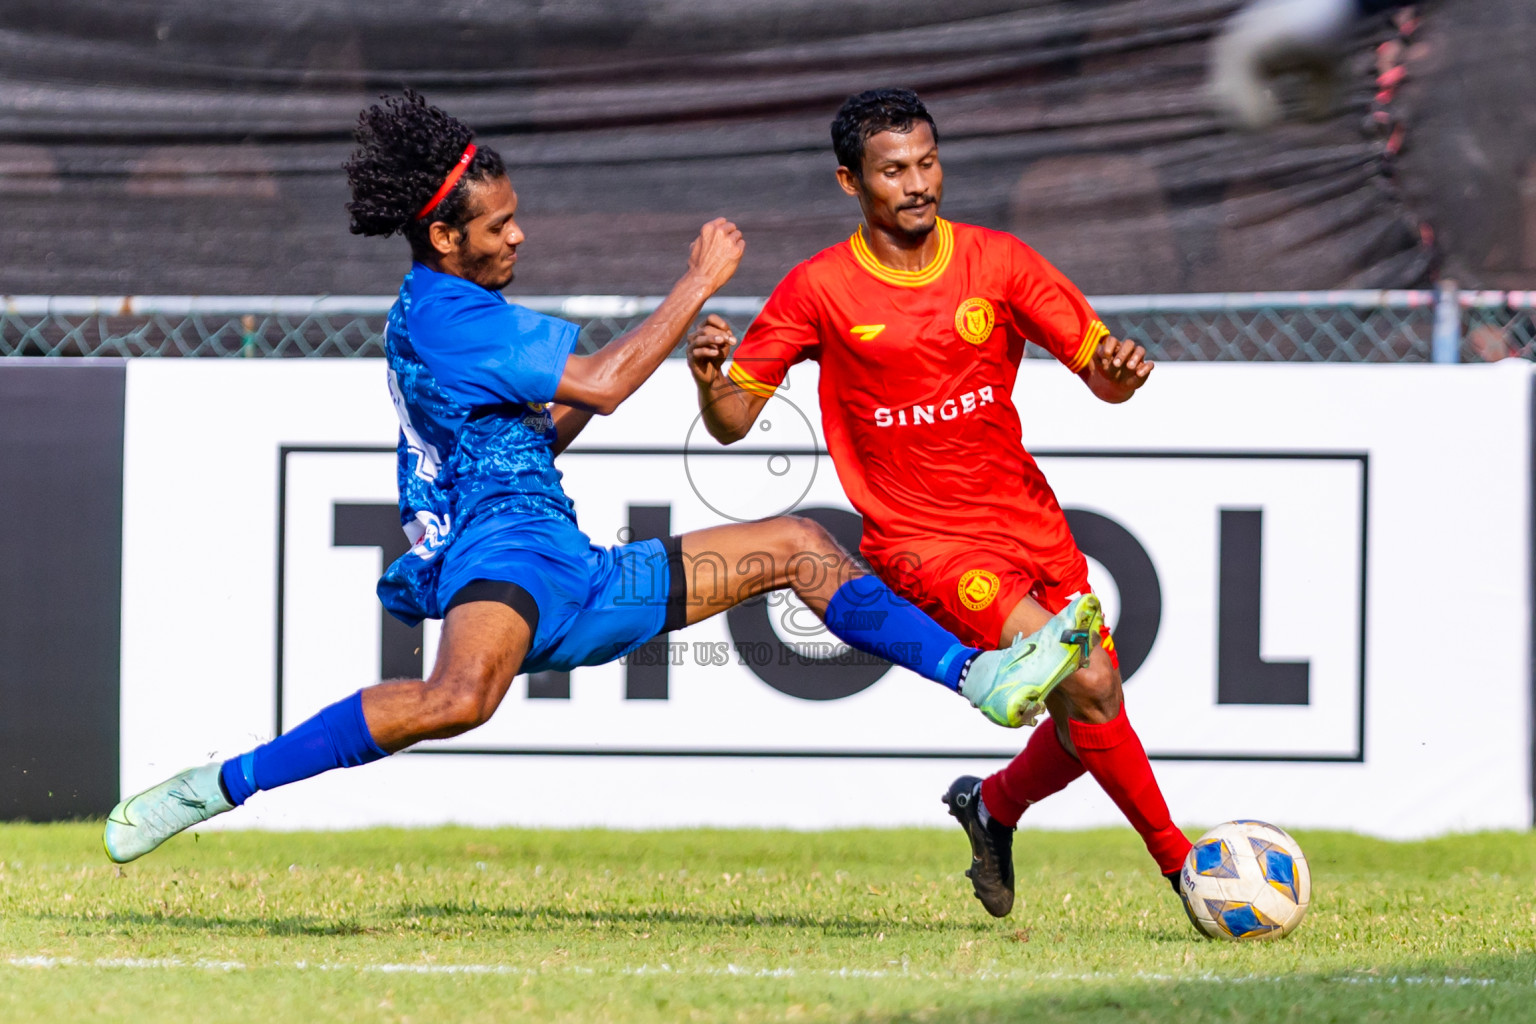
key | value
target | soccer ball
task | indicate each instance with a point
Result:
(1246, 880)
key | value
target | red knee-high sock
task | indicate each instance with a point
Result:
(1113, 754)
(1042, 768)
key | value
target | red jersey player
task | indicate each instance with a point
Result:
(919, 325)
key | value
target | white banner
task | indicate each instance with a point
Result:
(1285, 552)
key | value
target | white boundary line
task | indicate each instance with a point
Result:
(736, 971)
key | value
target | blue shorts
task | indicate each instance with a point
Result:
(593, 604)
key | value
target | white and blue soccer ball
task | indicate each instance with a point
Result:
(1246, 880)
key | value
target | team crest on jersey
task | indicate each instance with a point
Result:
(978, 588)
(538, 417)
(974, 320)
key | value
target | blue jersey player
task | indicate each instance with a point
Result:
(488, 394)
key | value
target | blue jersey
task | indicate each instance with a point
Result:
(471, 376)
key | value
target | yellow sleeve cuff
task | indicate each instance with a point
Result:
(1096, 333)
(749, 383)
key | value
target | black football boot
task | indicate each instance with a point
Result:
(991, 870)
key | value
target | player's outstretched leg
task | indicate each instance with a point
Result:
(1008, 686)
(484, 643)
(862, 611)
(338, 737)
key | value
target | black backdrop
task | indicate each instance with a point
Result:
(61, 587)
(183, 146)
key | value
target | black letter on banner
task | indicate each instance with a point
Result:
(378, 526)
(1242, 676)
(1141, 595)
(646, 672)
(786, 670)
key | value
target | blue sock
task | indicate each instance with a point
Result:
(867, 615)
(337, 737)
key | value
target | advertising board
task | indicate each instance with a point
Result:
(1285, 553)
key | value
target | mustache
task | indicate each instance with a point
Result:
(915, 203)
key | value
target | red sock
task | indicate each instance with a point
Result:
(1044, 767)
(1113, 754)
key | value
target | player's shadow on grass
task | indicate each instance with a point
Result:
(837, 925)
(520, 918)
(299, 925)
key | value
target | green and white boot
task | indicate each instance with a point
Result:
(141, 823)
(1010, 686)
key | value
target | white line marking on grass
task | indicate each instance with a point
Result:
(129, 963)
(732, 971)
(432, 969)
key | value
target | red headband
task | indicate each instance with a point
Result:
(450, 181)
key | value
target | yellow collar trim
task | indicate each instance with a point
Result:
(906, 278)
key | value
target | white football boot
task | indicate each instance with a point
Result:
(1010, 686)
(141, 823)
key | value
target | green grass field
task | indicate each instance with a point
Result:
(460, 924)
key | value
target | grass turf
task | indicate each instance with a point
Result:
(459, 924)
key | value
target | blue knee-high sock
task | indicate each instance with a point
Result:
(867, 615)
(337, 737)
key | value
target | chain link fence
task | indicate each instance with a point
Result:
(1350, 326)
(1497, 325)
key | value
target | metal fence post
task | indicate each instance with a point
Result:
(1445, 343)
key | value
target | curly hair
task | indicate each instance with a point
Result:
(405, 149)
(870, 113)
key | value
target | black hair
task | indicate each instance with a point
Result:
(405, 149)
(868, 114)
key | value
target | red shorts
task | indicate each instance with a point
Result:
(972, 590)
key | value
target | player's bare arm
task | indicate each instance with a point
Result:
(598, 383)
(728, 410)
(1118, 369)
(569, 421)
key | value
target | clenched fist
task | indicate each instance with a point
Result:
(716, 253)
(709, 345)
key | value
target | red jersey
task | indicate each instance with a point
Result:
(917, 375)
